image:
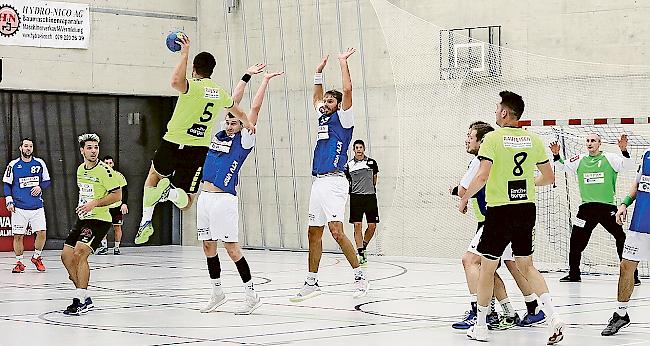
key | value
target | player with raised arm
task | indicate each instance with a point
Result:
(597, 172)
(329, 191)
(176, 168)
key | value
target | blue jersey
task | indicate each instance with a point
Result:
(225, 158)
(19, 179)
(641, 217)
(334, 136)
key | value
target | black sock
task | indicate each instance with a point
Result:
(473, 307)
(531, 307)
(214, 267)
(243, 269)
(360, 251)
(365, 244)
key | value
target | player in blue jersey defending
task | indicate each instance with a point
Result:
(24, 181)
(329, 191)
(637, 243)
(217, 206)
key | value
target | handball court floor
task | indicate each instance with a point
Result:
(151, 296)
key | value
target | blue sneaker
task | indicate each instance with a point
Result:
(74, 309)
(530, 320)
(492, 319)
(89, 303)
(468, 321)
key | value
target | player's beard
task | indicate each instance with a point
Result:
(24, 155)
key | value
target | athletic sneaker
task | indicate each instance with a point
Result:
(533, 319)
(182, 200)
(307, 291)
(478, 333)
(362, 261)
(506, 322)
(88, 303)
(468, 321)
(19, 268)
(38, 262)
(157, 194)
(615, 324)
(144, 232)
(102, 250)
(361, 287)
(74, 309)
(116, 251)
(556, 328)
(492, 318)
(571, 278)
(214, 302)
(250, 304)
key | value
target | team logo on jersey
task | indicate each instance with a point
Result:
(644, 183)
(323, 132)
(197, 130)
(517, 190)
(594, 178)
(28, 181)
(517, 142)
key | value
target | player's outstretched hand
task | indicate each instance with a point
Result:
(270, 75)
(255, 69)
(621, 214)
(184, 42)
(36, 190)
(555, 148)
(250, 127)
(124, 209)
(622, 143)
(322, 64)
(345, 55)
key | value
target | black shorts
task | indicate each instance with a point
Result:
(182, 164)
(505, 224)
(89, 232)
(363, 204)
(116, 215)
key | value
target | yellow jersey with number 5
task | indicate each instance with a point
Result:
(196, 111)
(514, 153)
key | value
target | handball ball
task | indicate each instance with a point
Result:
(172, 38)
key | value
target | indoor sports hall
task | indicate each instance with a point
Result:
(421, 73)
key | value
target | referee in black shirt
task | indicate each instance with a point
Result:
(362, 171)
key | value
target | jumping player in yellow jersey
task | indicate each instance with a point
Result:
(509, 157)
(176, 168)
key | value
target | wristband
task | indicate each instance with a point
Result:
(628, 201)
(625, 154)
(454, 191)
(318, 78)
(246, 77)
(556, 157)
(9, 200)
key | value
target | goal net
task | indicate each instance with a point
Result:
(443, 80)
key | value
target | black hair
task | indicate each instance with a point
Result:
(513, 102)
(358, 141)
(204, 64)
(335, 94)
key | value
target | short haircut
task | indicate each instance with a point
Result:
(335, 94)
(477, 123)
(359, 141)
(513, 102)
(108, 157)
(87, 137)
(26, 139)
(204, 64)
(481, 129)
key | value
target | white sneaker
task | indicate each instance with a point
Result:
(555, 330)
(478, 333)
(215, 302)
(250, 304)
(361, 287)
(307, 291)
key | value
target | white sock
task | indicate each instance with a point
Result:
(248, 288)
(216, 287)
(173, 195)
(547, 305)
(37, 253)
(81, 293)
(481, 315)
(19, 258)
(104, 242)
(359, 274)
(312, 278)
(622, 308)
(507, 307)
(473, 298)
(117, 244)
(147, 214)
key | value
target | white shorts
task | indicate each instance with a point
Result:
(22, 219)
(507, 253)
(327, 200)
(637, 246)
(217, 217)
